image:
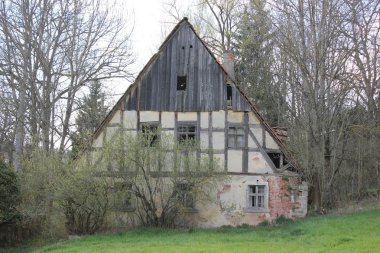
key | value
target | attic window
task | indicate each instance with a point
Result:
(229, 95)
(181, 82)
(276, 159)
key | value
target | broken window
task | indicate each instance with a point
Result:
(229, 95)
(186, 132)
(256, 196)
(181, 82)
(122, 197)
(185, 195)
(276, 158)
(150, 134)
(236, 137)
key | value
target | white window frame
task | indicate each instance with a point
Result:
(250, 195)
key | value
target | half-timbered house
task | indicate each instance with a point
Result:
(185, 91)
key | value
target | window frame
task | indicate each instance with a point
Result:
(185, 196)
(187, 125)
(235, 136)
(122, 190)
(156, 137)
(250, 195)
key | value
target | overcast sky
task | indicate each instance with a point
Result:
(150, 26)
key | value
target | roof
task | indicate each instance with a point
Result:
(184, 21)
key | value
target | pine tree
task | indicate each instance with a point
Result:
(254, 67)
(92, 112)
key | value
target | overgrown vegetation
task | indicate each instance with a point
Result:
(355, 232)
(130, 180)
(164, 178)
(9, 195)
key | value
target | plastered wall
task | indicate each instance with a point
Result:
(212, 135)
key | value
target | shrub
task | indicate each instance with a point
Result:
(9, 195)
(84, 200)
(281, 219)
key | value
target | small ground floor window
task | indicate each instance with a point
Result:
(257, 197)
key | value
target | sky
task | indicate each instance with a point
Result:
(151, 23)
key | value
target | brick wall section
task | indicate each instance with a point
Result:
(285, 197)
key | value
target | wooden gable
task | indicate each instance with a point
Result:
(183, 56)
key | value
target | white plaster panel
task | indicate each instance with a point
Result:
(251, 142)
(149, 116)
(252, 118)
(98, 142)
(116, 118)
(235, 117)
(204, 140)
(270, 142)
(204, 119)
(187, 116)
(167, 119)
(168, 164)
(257, 163)
(235, 161)
(218, 119)
(110, 132)
(258, 133)
(130, 119)
(219, 162)
(218, 140)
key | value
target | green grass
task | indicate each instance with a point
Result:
(355, 232)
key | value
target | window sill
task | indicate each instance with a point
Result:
(124, 210)
(191, 210)
(256, 210)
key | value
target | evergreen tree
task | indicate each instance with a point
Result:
(92, 112)
(255, 65)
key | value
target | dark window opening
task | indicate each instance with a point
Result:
(122, 197)
(185, 195)
(150, 134)
(191, 46)
(186, 133)
(181, 82)
(236, 137)
(276, 159)
(229, 95)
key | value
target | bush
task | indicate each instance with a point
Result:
(41, 173)
(9, 195)
(84, 199)
(281, 219)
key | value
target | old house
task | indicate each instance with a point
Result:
(183, 90)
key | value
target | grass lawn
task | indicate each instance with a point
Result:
(355, 232)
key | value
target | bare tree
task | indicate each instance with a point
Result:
(215, 20)
(310, 37)
(49, 51)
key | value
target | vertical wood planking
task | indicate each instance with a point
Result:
(156, 90)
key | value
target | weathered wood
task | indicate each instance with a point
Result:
(245, 150)
(183, 55)
(226, 140)
(266, 157)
